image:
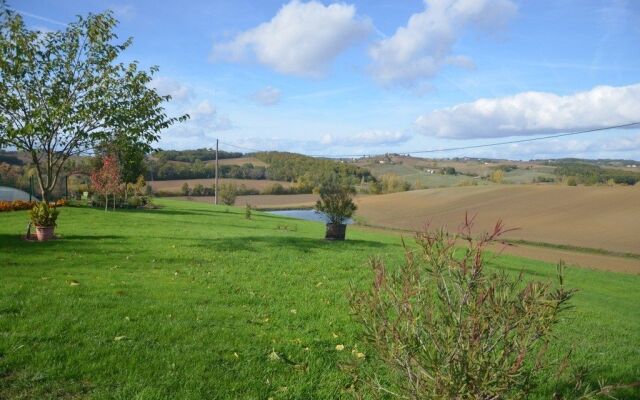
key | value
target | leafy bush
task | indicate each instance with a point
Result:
(247, 211)
(497, 176)
(228, 193)
(392, 183)
(571, 181)
(185, 189)
(44, 215)
(445, 328)
(19, 205)
(336, 201)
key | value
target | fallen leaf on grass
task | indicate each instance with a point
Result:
(119, 338)
(340, 347)
(74, 283)
(273, 356)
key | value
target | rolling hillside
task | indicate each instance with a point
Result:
(596, 217)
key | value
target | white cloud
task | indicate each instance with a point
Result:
(368, 138)
(168, 86)
(533, 113)
(301, 39)
(267, 96)
(420, 49)
(205, 116)
(583, 147)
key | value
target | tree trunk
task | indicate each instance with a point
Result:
(106, 201)
(114, 201)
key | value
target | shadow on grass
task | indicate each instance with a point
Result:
(290, 243)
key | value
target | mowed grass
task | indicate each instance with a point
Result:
(193, 301)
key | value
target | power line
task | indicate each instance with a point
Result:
(463, 147)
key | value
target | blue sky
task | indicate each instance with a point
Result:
(364, 77)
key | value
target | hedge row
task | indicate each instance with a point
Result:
(18, 205)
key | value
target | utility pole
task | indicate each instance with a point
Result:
(216, 187)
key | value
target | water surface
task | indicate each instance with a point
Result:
(307, 215)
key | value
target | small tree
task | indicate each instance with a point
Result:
(228, 193)
(447, 329)
(185, 189)
(106, 179)
(336, 201)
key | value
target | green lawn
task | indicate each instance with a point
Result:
(193, 301)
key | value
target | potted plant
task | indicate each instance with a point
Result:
(336, 203)
(44, 218)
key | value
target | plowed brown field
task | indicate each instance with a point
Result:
(596, 217)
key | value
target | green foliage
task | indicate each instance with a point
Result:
(62, 93)
(247, 211)
(571, 181)
(446, 329)
(448, 171)
(392, 183)
(590, 174)
(185, 189)
(163, 169)
(228, 193)
(191, 156)
(43, 215)
(336, 201)
(309, 172)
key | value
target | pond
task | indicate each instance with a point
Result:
(307, 215)
(11, 194)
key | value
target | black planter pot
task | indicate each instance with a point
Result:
(335, 231)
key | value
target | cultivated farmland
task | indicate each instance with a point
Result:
(596, 217)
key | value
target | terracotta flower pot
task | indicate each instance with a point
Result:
(335, 231)
(44, 233)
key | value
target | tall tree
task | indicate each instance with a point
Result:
(62, 93)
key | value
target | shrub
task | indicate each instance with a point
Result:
(336, 201)
(445, 328)
(392, 183)
(228, 193)
(185, 189)
(247, 211)
(571, 181)
(497, 176)
(44, 215)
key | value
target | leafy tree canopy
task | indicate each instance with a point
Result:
(63, 92)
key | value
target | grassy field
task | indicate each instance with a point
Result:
(193, 301)
(266, 201)
(176, 184)
(412, 169)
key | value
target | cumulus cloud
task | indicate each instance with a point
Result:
(205, 116)
(168, 86)
(533, 113)
(267, 96)
(368, 138)
(420, 49)
(301, 39)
